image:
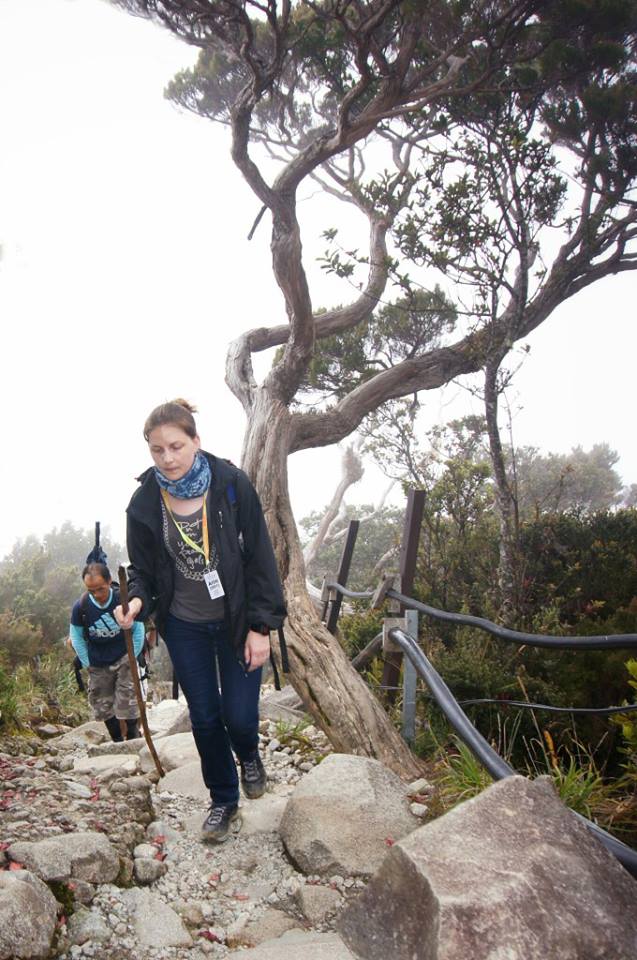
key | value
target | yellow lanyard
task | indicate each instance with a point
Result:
(205, 552)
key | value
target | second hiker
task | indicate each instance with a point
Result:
(99, 643)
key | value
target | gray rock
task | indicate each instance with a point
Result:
(85, 925)
(268, 926)
(263, 815)
(48, 730)
(88, 856)
(78, 789)
(342, 815)
(91, 732)
(28, 912)
(111, 748)
(181, 724)
(83, 892)
(107, 767)
(317, 902)
(172, 751)
(509, 875)
(147, 871)
(158, 828)
(186, 781)
(286, 697)
(156, 924)
(163, 715)
(296, 944)
(419, 786)
(277, 711)
(147, 850)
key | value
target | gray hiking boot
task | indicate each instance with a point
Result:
(216, 826)
(253, 777)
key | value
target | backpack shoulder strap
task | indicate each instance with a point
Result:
(231, 488)
(84, 614)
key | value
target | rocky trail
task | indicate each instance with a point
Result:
(99, 859)
(340, 859)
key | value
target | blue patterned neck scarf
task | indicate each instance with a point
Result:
(192, 484)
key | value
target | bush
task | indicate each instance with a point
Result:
(42, 691)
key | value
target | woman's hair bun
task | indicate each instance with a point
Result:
(184, 403)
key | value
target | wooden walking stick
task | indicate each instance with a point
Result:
(128, 636)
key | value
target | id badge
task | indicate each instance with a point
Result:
(211, 578)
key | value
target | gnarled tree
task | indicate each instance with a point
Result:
(306, 85)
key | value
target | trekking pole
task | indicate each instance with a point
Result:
(128, 636)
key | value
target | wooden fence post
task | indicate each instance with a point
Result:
(343, 574)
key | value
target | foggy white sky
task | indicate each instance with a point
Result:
(126, 272)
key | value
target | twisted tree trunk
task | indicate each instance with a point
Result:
(338, 699)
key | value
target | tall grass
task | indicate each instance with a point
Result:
(41, 691)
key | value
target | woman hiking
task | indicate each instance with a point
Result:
(100, 646)
(202, 564)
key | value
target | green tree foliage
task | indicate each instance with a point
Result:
(20, 640)
(586, 564)
(395, 333)
(376, 536)
(584, 480)
(40, 580)
(532, 92)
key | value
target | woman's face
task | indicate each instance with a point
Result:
(98, 587)
(172, 450)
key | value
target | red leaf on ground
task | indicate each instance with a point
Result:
(240, 896)
(14, 865)
(389, 841)
(159, 840)
(159, 855)
(210, 935)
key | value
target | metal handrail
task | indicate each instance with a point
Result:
(618, 641)
(528, 705)
(482, 750)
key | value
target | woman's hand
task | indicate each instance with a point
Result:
(126, 622)
(257, 650)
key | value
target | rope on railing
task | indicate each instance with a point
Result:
(619, 641)
(482, 750)
(601, 711)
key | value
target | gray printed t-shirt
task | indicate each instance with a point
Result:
(191, 600)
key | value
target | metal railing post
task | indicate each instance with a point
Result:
(410, 677)
(343, 574)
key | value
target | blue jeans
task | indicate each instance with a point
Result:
(222, 698)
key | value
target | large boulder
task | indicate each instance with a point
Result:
(343, 815)
(168, 718)
(172, 751)
(108, 766)
(28, 912)
(86, 856)
(298, 943)
(156, 923)
(509, 875)
(93, 731)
